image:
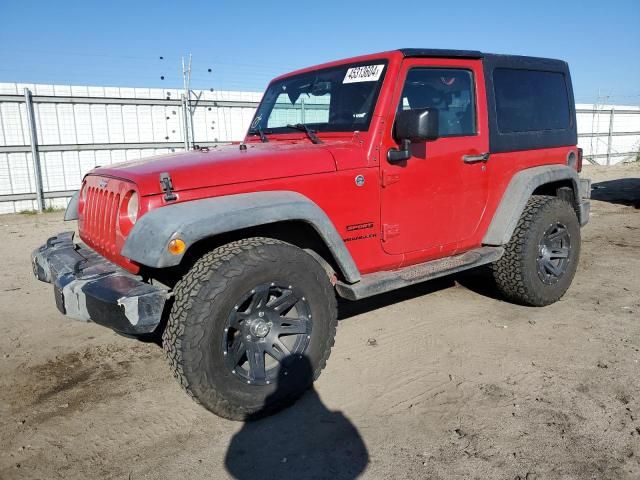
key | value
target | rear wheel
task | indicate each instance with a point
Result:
(251, 327)
(541, 258)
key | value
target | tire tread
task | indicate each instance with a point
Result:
(216, 267)
(511, 270)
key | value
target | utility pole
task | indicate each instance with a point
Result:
(35, 153)
(185, 123)
(188, 122)
(189, 107)
(612, 113)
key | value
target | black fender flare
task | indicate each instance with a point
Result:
(517, 194)
(199, 219)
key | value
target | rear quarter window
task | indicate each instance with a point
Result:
(531, 100)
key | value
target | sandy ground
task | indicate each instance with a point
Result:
(444, 380)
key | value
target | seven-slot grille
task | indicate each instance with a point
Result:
(100, 215)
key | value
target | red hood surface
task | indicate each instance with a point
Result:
(224, 165)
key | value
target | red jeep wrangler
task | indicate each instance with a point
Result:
(355, 178)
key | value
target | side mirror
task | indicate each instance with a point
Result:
(418, 125)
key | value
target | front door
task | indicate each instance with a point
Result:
(435, 200)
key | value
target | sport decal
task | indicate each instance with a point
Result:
(359, 226)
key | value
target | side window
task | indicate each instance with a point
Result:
(448, 90)
(531, 100)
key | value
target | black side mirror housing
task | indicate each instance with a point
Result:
(419, 125)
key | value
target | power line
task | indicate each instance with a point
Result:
(149, 58)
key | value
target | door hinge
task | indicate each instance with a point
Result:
(389, 178)
(390, 230)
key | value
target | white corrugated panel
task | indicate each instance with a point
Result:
(598, 120)
(103, 124)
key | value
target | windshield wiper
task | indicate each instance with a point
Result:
(303, 128)
(258, 131)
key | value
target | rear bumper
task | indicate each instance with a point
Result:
(90, 288)
(585, 202)
(585, 212)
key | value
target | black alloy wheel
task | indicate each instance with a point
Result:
(553, 253)
(268, 328)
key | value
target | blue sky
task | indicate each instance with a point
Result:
(245, 43)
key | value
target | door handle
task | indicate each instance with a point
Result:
(483, 157)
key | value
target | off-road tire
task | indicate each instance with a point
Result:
(204, 298)
(516, 273)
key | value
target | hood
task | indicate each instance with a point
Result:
(223, 166)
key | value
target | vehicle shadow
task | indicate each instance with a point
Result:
(305, 441)
(479, 280)
(622, 191)
(348, 308)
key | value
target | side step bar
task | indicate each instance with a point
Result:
(380, 282)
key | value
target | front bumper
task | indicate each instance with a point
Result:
(90, 288)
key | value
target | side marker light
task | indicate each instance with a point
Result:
(176, 246)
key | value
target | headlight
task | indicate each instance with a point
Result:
(132, 207)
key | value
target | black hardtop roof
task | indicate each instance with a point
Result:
(512, 141)
(446, 53)
(440, 52)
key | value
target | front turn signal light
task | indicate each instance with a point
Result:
(177, 246)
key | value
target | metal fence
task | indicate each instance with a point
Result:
(609, 134)
(51, 135)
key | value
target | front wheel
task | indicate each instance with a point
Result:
(251, 327)
(541, 258)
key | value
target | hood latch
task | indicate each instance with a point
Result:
(167, 187)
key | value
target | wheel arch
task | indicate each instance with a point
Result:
(295, 232)
(565, 189)
(208, 223)
(555, 180)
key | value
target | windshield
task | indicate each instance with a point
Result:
(337, 99)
